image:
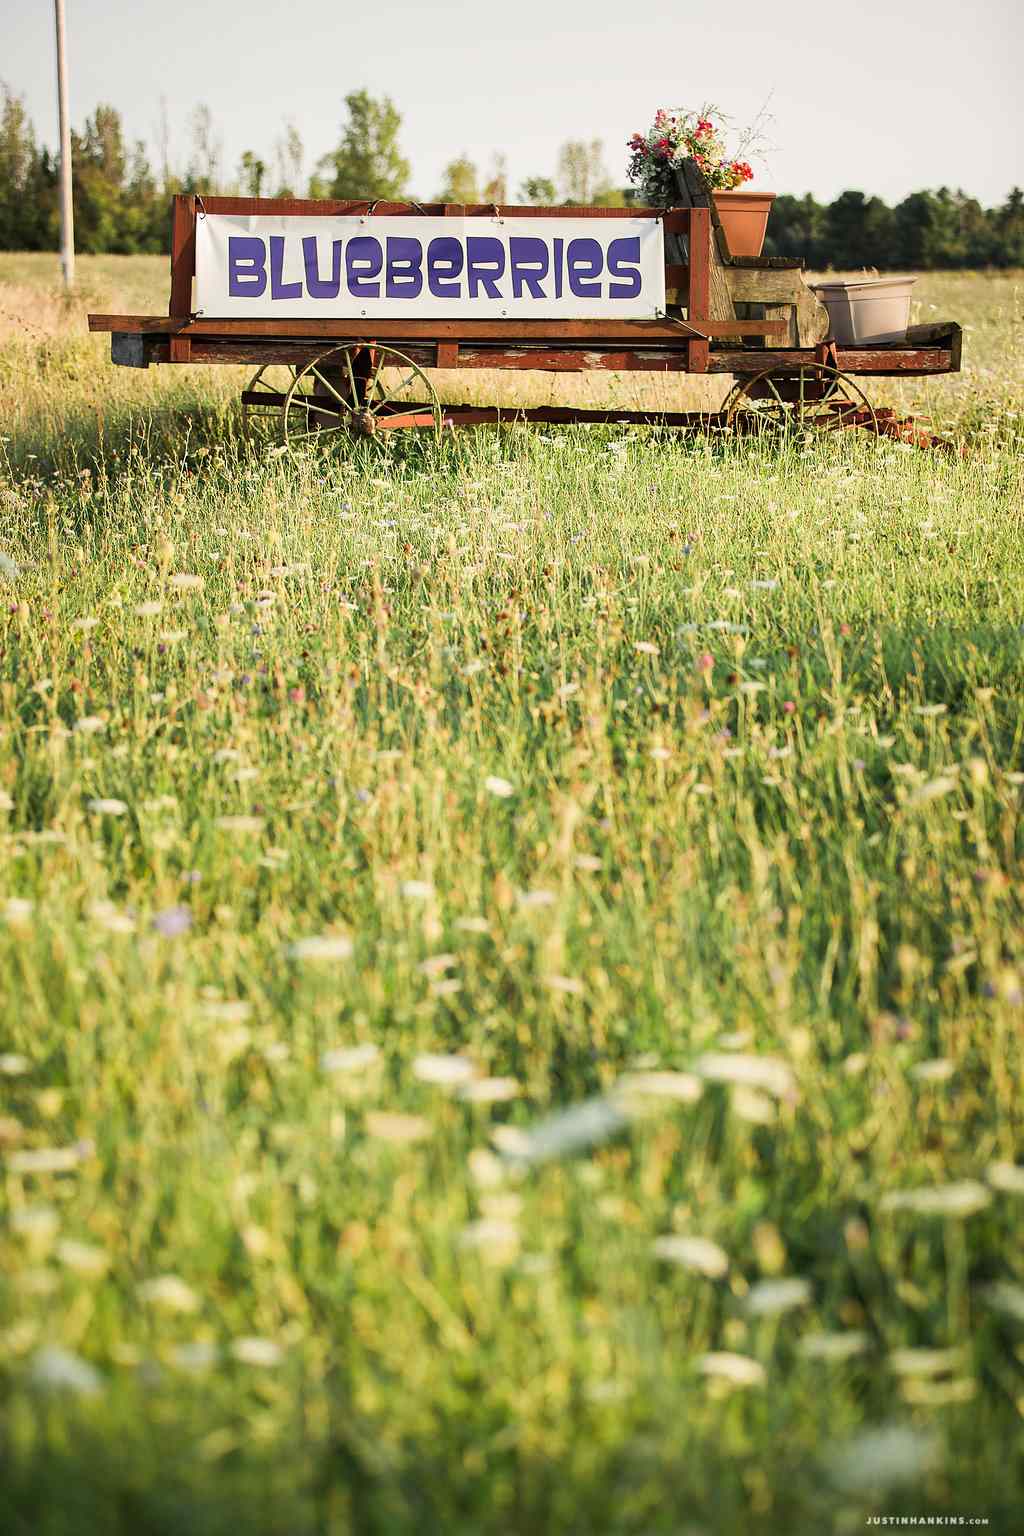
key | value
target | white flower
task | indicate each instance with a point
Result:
(45, 1160)
(183, 581)
(938, 1071)
(417, 890)
(500, 787)
(254, 1351)
(932, 790)
(683, 1087)
(149, 610)
(490, 1090)
(108, 807)
(925, 1362)
(18, 909)
(58, 1370)
(833, 1346)
(89, 725)
(354, 1058)
(497, 1239)
(84, 1258)
(321, 946)
(13, 1065)
(767, 1298)
(169, 1293)
(238, 823)
(197, 1355)
(1007, 1177)
(646, 648)
(573, 1130)
(738, 1370)
(964, 1198)
(397, 1127)
(884, 1458)
(766, 1072)
(697, 1253)
(536, 898)
(443, 1071)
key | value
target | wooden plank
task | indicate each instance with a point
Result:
(331, 208)
(183, 255)
(890, 362)
(508, 331)
(180, 349)
(447, 354)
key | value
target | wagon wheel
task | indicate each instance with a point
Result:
(795, 402)
(344, 391)
(263, 398)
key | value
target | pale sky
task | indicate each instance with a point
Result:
(885, 97)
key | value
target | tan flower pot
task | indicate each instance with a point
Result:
(744, 217)
(867, 311)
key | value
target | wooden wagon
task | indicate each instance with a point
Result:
(753, 319)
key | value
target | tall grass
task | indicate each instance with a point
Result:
(513, 975)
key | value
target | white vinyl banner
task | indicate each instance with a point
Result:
(421, 268)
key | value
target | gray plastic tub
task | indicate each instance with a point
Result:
(866, 311)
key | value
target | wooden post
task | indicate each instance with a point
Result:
(183, 267)
(698, 309)
(67, 213)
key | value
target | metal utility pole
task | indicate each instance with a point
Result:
(67, 218)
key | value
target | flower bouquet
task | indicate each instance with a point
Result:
(656, 158)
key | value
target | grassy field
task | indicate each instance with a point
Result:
(512, 964)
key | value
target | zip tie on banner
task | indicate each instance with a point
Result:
(201, 206)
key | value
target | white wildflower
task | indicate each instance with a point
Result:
(765, 1072)
(572, 1130)
(925, 1362)
(769, 1298)
(683, 1087)
(89, 725)
(1006, 1177)
(169, 1293)
(108, 807)
(260, 1352)
(502, 788)
(353, 1058)
(417, 890)
(14, 1065)
(443, 1071)
(963, 1199)
(697, 1253)
(59, 1370)
(396, 1127)
(238, 823)
(737, 1370)
(940, 1070)
(184, 581)
(321, 946)
(834, 1346)
(490, 1090)
(884, 1458)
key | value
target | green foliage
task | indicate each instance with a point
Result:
(368, 162)
(927, 231)
(461, 182)
(584, 754)
(540, 190)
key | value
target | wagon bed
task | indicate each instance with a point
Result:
(751, 318)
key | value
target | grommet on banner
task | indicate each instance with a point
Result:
(201, 206)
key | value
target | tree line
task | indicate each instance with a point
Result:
(121, 199)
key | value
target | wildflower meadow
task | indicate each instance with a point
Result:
(512, 962)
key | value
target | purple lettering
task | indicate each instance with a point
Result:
(405, 274)
(485, 263)
(558, 267)
(279, 289)
(364, 261)
(624, 261)
(316, 286)
(528, 263)
(584, 259)
(247, 267)
(444, 266)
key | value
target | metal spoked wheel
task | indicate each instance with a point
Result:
(262, 401)
(363, 390)
(796, 402)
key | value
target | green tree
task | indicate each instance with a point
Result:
(496, 187)
(289, 153)
(28, 182)
(540, 190)
(461, 183)
(251, 171)
(368, 162)
(582, 178)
